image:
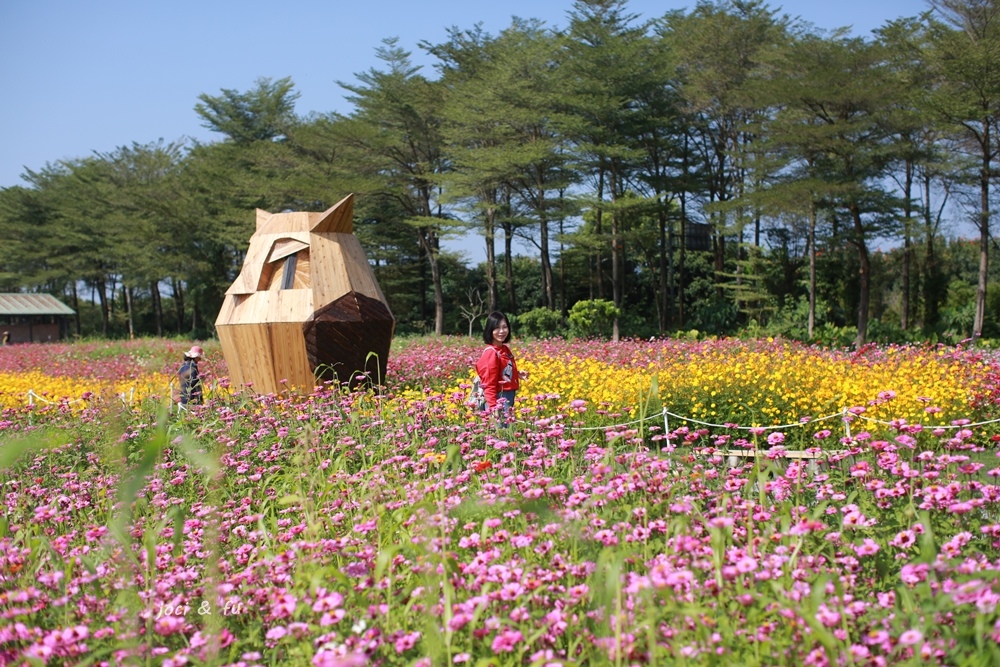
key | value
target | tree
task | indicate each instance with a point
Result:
(964, 52)
(137, 185)
(522, 152)
(395, 133)
(478, 138)
(605, 73)
(723, 50)
(264, 113)
(835, 135)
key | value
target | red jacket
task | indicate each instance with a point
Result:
(497, 372)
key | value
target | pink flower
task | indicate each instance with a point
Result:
(406, 642)
(910, 637)
(284, 606)
(507, 641)
(168, 625)
(913, 573)
(904, 539)
(868, 548)
(328, 658)
(328, 602)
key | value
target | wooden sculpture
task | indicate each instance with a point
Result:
(306, 306)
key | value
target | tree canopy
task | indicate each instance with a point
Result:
(722, 169)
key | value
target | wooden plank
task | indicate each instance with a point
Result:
(285, 246)
(266, 354)
(786, 454)
(227, 313)
(303, 279)
(361, 275)
(229, 351)
(262, 218)
(328, 275)
(253, 263)
(283, 223)
(290, 305)
(343, 333)
(289, 359)
(242, 353)
(338, 219)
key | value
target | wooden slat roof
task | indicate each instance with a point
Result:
(32, 304)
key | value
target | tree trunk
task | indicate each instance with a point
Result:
(616, 290)
(547, 280)
(811, 327)
(719, 249)
(423, 279)
(666, 272)
(102, 295)
(904, 316)
(127, 292)
(154, 292)
(598, 230)
(508, 267)
(178, 289)
(543, 247)
(76, 307)
(491, 258)
(864, 271)
(984, 233)
(562, 264)
(429, 242)
(932, 281)
(680, 262)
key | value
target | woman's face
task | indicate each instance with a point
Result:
(501, 331)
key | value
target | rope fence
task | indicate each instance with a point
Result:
(845, 415)
(33, 396)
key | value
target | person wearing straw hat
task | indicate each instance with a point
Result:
(190, 382)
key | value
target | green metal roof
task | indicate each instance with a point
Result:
(33, 304)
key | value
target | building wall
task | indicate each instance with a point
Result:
(31, 333)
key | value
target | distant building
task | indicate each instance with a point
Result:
(35, 318)
(698, 236)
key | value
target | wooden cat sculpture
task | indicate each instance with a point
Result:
(306, 306)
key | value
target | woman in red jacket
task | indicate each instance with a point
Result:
(496, 368)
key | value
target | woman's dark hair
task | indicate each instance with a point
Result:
(492, 322)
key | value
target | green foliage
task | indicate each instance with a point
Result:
(606, 133)
(715, 316)
(264, 113)
(959, 311)
(540, 323)
(592, 319)
(888, 330)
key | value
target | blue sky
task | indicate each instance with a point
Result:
(88, 76)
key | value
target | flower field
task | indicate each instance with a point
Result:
(609, 525)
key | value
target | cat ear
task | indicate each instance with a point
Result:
(338, 219)
(262, 217)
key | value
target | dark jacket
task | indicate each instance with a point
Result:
(190, 383)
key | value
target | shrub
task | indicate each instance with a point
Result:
(540, 323)
(592, 319)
